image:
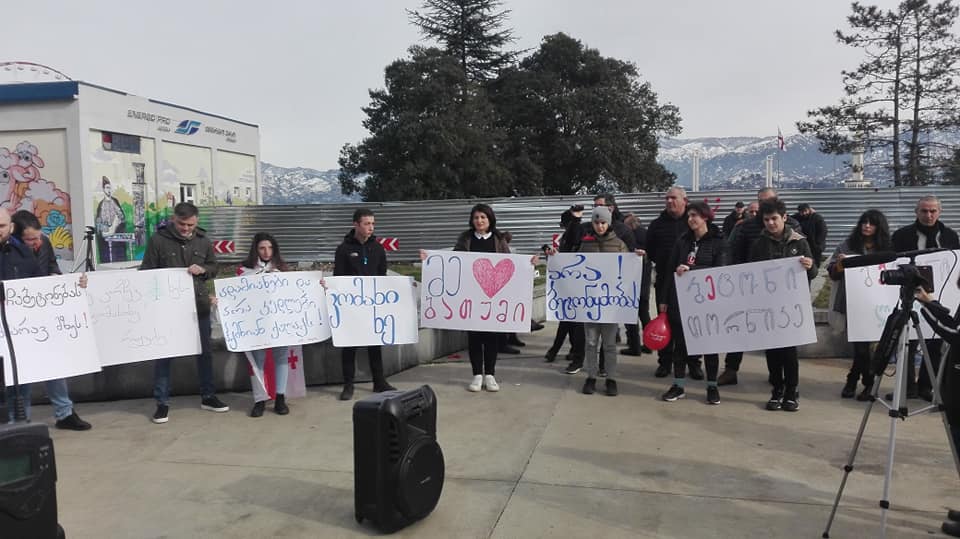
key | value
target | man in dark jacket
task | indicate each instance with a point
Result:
(926, 232)
(635, 345)
(662, 234)
(746, 235)
(182, 244)
(731, 220)
(361, 254)
(814, 228)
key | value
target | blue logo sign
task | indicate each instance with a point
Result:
(188, 127)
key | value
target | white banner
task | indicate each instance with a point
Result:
(869, 302)
(143, 315)
(272, 309)
(50, 327)
(368, 311)
(594, 287)
(754, 306)
(476, 291)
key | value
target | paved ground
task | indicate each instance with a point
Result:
(538, 459)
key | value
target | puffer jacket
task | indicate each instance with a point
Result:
(168, 249)
(790, 244)
(591, 242)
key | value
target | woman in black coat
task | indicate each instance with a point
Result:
(703, 246)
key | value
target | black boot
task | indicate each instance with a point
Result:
(258, 407)
(280, 405)
(849, 388)
(347, 392)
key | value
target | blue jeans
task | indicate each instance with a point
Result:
(161, 367)
(280, 364)
(56, 392)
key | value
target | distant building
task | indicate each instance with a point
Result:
(80, 155)
(856, 180)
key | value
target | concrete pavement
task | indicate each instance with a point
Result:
(537, 459)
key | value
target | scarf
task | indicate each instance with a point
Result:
(930, 234)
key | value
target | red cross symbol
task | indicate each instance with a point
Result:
(292, 359)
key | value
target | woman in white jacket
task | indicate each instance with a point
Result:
(265, 257)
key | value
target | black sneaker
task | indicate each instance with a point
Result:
(550, 356)
(162, 414)
(662, 371)
(380, 388)
(713, 395)
(791, 401)
(631, 352)
(696, 371)
(515, 341)
(73, 422)
(864, 395)
(213, 404)
(675, 393)
(280, 405)
(602, 373)
(258, 407)
(849, 389)
(775, 399)
(727, 378)
(612, 390)
(644, 349)
(574, 368)
(347, 392)
(590, 386)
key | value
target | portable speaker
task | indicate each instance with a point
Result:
(397, 464)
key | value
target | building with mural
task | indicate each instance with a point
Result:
(87, 158)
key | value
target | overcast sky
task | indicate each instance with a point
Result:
(301, 69)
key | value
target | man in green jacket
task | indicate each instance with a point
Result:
(181, 244)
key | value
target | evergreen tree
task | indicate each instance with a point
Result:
(575, 120)
(951, 173)
(905, 86)
(471, 31)
(424, 143)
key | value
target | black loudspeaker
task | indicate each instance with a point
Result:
(397, 464)
(28, 476)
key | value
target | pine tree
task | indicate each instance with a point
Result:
(906, 85)
(471, 31)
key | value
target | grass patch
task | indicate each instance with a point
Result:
(822, 301)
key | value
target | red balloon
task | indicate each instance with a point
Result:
(656, 335)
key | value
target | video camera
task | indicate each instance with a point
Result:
(910, 276)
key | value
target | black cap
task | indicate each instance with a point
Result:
(739, 204)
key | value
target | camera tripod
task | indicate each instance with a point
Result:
(899, 322)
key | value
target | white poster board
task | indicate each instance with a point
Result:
(143, 315)
(50, 327)
(594, 287)
(368, 311)
(869, 302)
(272, 309)
(476, 291)
(753, 306)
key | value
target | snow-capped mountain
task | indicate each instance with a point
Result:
(739, 162)
(301, 185)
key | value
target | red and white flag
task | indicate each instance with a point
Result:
(781, 143)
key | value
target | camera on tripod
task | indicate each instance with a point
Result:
(910, 276)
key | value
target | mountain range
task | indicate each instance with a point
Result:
(725, 163)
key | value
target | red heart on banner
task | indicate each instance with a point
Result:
(492, 278)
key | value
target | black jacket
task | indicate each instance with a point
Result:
(791, 244)
(18, 262)
(906, 238)
(731, 221)
(747, 234)
(815, 229)
(363, 259)
(662, 234)
(947, 327)
(711, 253)
(168, 249)
(640, 241)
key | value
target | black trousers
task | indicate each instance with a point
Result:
(681, 358)
(483, 346)
(349, 361)
(783, 366)
(860, 369)
(575, 331)
(732, 361)
(634, 341)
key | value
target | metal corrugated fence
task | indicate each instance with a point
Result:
(312, 232)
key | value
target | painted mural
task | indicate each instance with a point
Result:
(125, 210)
(236, 182)
(185, 174)
(33, 177)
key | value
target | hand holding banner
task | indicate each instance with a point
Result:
(375, 311)
(50, 328)
(272, 309)
(594, 287)
(754, 306)
(476, 291)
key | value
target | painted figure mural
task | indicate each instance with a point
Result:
(32, 169)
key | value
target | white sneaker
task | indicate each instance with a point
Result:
(476, 384)
(491, 383)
